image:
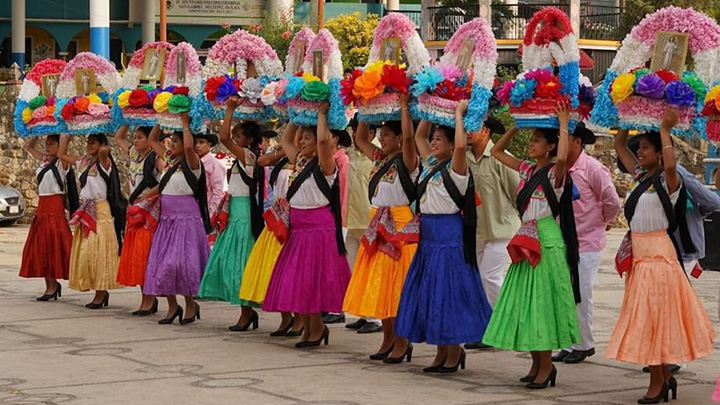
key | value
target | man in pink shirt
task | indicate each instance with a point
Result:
(214, 170)
(596, 205)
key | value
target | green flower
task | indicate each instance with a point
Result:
(147, 87)
(37, 102)
(640, 73)
(316, 91)
(179, 103)
(697, 85)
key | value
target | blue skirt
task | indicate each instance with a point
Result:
(443, 301)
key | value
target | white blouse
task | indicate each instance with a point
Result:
(177, 185)
(392, 194)
(538, 207)
(649, 214)
(282, 184)
(136, 169)
(49, 185)
(436, 199)
(309, 195)
(95, 188)
(236, 186)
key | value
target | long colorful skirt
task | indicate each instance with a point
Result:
(535, 310)
(443, 301)
(224, 270)
(377, 279)
(47, 247)
(94, 258)
(661, 320)
(310, 276)
(135, 253)
(259, 267)
(179, 251)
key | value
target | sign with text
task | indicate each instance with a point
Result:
(215, 12)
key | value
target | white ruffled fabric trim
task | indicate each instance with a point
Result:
(536, 57)
(29, 90)
(567, 51)
(632, 53)
(334, 65)
(131, 78)
(706, 65)
(484, 72)
(109, 82)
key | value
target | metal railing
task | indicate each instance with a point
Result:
(445, 20)
(600, 22)
(510, 20)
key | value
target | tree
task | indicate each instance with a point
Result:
(354, 33)
(636, 10)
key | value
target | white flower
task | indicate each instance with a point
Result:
(268, 94)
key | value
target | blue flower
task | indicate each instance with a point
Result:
(426, 81)
(680, 94)
(294, 87)
(523, 90)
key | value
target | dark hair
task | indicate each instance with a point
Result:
(145, 130)
(54, 137)
(654, 138)
(449, 132)
(252, 131)
(101, 138)
(552, 136)
(394, 126)
(354, 123)
(180, 134)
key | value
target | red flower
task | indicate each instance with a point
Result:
(68, 111)
(212, 85)
(299, 73)
(179, 90)
(667, 76)
(138, 98)
(346, 87)
(549, 89)
(447, 89)
(710, 109)
(396, 79)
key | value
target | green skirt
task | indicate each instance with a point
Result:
(225, 267)
(535, 310)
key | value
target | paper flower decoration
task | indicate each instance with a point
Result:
(33, 111)
(180, 93)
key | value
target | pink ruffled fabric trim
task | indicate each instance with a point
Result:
(480, 30)
(87, 60)
(305, 35)
(438, 102)
(241, 45)
(192, 62)
(45, 67)
(393, 25)
(138, 57)
(323, 40)
(305, 104)
(650, 110)
(704, 31)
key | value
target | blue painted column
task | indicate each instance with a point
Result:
(100, 27)
(18, 33)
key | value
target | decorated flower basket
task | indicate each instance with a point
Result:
(252, 62)
(35, 107)
(273, 95)
(635, 97)
(182, 90)
(466, 71)
(549, 41)
(319, 81)
(711, 112)
(134, 100)
(376, 89)
(83, 101)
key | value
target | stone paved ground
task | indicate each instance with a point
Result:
(60, 352)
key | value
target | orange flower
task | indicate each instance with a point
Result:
(50, 110)
(368, 85)
(81, 104)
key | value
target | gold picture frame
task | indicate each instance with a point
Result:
(49, 84)
(391, 50)
(299, 59)
(465, 56)
(318, 64)
(85, 82)
(153, 65)
(670, 51)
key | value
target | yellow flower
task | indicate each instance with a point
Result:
(161, 101)
(622, 87)
(376, 66)
(94, 99)
(309, 77)
(123, 99)
(712, 94)
(26, 115)
(368, 85)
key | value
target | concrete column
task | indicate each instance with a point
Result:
(148, 21)
(575, 16)
(18, 33)
(486, 10)
(393, 5)
(100, 27)
(425, 19)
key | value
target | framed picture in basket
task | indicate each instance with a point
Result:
(181, 67)
(153, 64)
(670, 52)
(49, 84)
(318, 64)
(297, 62)
(391, 50)
(85, 81)
(466, 54)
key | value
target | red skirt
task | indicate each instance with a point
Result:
(136, 249)
(47, 249)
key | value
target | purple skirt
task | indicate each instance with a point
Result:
(179, 249)
(310, 276)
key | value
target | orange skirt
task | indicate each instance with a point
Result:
(134, 256)
(661, 321)
(47, 247)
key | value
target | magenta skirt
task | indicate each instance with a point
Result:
(310, 276)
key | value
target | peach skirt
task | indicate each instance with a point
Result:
(661, 321)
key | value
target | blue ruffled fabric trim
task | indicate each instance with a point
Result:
(301, 117)
(569, 76)
(605, 113)
(477, 108)
(18, 123)
(437, 119)
(550, 122)
(337, 119)
(376, 119)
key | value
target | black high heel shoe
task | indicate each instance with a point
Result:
(168, 321)
(672, 386)
(662, 396)
(528, 378)
(314, 343)
(185, 321)
(398, 360)
(382, 355)
(283, 331)
(296, 333)
(254, 321)
(454, 369)
(542, 385)
(99, 305)
(54, 296)
(146, 312)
